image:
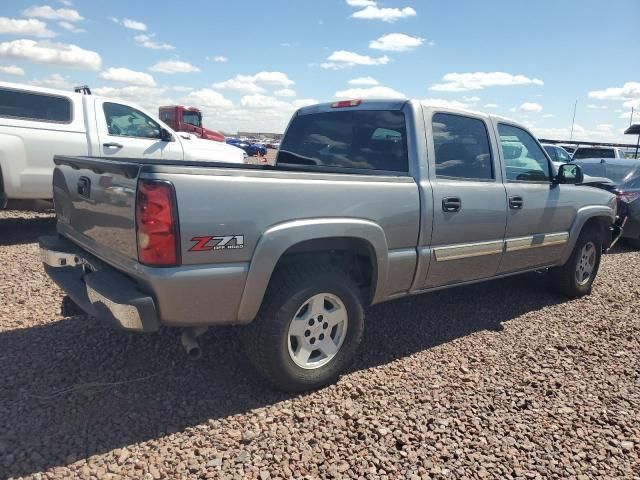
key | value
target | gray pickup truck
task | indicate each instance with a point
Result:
(369, 201)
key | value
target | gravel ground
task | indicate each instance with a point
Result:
(496, 380)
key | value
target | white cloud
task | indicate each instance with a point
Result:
(174, 66)
(259, 101)
(253, 84)
(628, 90)
(240, 84)
(373, 12)
(49, 13)
(60, 54)
(181, 88)
(548, 115)
(220, 59)
(54, 80)
(131, 77)
(460, 82)
(285, 44)
(66, 3)
(364, 81)
(285, 92)
(344, 59)
(531, 107)
(29, 28)
(207, 98)
(471, 99)
(12, 70)
(134, 25)
(148, 41)
(130, 24)
(150, 98)
(604, 127)
(597, 107)
(632, 103)
(71, 27)
(371, 92)
(361, 3)
(396, 42)
(273, 78)
(491, 105)
(440, 102)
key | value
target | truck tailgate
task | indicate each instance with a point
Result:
(95, 205)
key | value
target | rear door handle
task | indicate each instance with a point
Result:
(451, 204)
(112, 145)
(516, 202)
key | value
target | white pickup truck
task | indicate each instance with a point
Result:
(37, 123)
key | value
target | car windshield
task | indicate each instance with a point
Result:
(588, 152)
(192, 118)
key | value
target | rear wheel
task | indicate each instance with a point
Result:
(575, 278)
(308, 329)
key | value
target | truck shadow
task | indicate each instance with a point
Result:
(75, 388)
(25, 228)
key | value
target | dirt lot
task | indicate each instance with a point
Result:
(497, 380)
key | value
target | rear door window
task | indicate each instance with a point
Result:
(364, 139)
(462, 147)
(34, 106)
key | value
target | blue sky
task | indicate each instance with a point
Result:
(248, 64)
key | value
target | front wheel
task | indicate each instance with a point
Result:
(575, 278)
(308, 329)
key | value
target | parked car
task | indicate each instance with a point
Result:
(598, 152)
(369, 201)
(37, 123)
(629, 194)
(557, 153)
(616, 169)
(252, 149)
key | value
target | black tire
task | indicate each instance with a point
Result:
(267, 337)
(563, 279)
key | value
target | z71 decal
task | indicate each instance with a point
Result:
(208, 243)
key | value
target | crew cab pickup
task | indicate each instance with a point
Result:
(369, 201)
(36, 123)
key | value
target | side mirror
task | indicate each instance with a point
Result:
(165, 135)
(570, 173)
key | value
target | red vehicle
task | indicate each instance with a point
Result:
(188, 119)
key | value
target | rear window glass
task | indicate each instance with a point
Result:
(594, 153)
(34, 106)
(366, 140)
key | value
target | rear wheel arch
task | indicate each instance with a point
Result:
(355, 256)
(332, 238)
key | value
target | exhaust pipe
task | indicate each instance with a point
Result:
(189, 340)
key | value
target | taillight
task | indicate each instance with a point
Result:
(156, 224)
(346, 103)
(628, 197)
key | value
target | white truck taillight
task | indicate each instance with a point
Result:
(156, 224)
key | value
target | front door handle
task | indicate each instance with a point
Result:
(451, 204)
(516, 202)
(112, 145)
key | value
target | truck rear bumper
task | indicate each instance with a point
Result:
(98, 289)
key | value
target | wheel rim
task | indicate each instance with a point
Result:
(317, 331)
(586, 263)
